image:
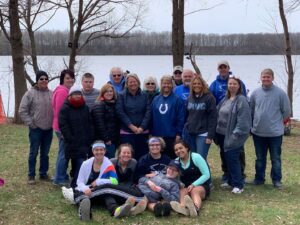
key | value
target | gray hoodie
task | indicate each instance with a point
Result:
(169, 188)
(239, 123)
(36, 110)
(269, 107)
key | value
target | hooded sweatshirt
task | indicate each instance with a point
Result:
(59, 96)
(35, 108)
(118, 87)
(219, 87)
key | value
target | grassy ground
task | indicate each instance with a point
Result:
(43, 203)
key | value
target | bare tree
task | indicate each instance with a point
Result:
(101, 18)
(17, 53)
(29, 11)
(288, 52)
(178, 32)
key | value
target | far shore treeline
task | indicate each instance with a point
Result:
(145, 43)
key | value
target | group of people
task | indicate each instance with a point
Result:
(132, 148)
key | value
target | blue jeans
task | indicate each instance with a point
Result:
(202, 147)
(235, 178)
(39, 139)
(110, 151)
(196, 143)
(262, 144)
(61, 168)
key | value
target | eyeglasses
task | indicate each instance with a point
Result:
(42, 79)
(223, 67)
(150, 83)
(117, 75)
(177, 72)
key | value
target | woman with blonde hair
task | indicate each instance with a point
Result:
(133, 110)
(105, 120)
(168, 114)
(201, 107)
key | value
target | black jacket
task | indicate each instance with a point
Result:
(106, 123)
(134, 110)
(202, 115)
(77, 130)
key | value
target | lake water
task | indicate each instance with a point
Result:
(248, 68)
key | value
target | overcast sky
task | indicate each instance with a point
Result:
(229, 16)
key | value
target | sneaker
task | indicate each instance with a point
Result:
(31, 181)
(166, 209)
(188, 202)
(237, 190)
(85, 210)
(278, 185)
(139, 208)
(123, 210)
(130, 201)
(158, 208)
(68, 194)
(179, 208)
(225, 185)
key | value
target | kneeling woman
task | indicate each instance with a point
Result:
(196, 177)
(160, 189)
(97, 177)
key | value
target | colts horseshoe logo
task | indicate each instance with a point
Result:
(163, 108)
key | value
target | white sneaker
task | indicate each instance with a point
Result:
(68, 194)
(236, 190)
(225, 185)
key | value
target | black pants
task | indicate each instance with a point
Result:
(220, 139)
(111, 196)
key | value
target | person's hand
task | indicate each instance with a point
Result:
(157, 188)
(177, 138)
(139, 130)
(149, 175)
(190, 188)
(208, 141)
(94, 184)
(133, 128)
(88, 192)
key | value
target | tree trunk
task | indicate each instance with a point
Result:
(17, 56)
(288, 54)
(178, 32)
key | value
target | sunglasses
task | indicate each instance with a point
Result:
(42, 79)
(117, 75)
(234, 77)
(150, 83)
(177, 72)
(223, 67)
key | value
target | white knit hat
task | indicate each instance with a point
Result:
(74, 89)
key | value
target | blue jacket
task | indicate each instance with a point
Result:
(168, 115)
(219, 87)
(182, 92)
(133, 110)
(118, 87)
